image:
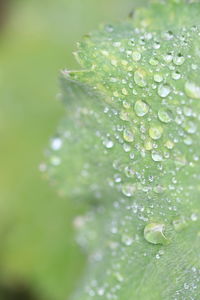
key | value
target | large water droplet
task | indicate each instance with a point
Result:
(140, 78)
(154, 233)
(192, 90)
(141, 108)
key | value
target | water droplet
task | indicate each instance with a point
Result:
(128, 189)
(155, 132)
(158, 189)
(153, 61)
(126, 147)
(179, 223)
(169, 144)
(178, 59)
(141, 108)
(140, 78)
(190, 127)
(194, 217)
(128, 135)
(119, 277)
(168, 57)
(156, 45)
(164, 90)
(108, 143)
(164, 116)
(158, 77)
(154, 233)
(56, 144)
(55, 161)
(176, 75)
(192, 90)
(148, 145)
(156, 156)
(168, 35)
(124, 115)
(187, 140)
(127, 240)
(124, 92)
(109, 28)
(136, 56)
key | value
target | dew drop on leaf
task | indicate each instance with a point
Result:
(164, 116)
(164, 90)
(136, 56)
(158, 77)
(192, 90)
(179, 223)
(141, 108)
(128, 135)
(156, 156)
(155, 132)
(140, 78)
(179, 59)
(154, 233)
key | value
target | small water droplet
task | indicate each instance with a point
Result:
(168, 57)
(124, 92)
(127, 240)
(56, 144)
(109, 28)
(176, 75)
(178, 59)
(164, 116)
(128, 189)
(154, 233)
(128, 135)
(155, 132)
(108, 143)
(194, 217)
(164, 90)
(140, 78)
(190, 127)
(179, 223)
(153, 61)
(169, 144)
(148, 145)
(136, 56)
(156, 156)
(156, 45)
(192, 90)
(168, 35)
(158, 77)
(55, 161)
(141, 108)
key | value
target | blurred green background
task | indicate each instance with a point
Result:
(38, 256)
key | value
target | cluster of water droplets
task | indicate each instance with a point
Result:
(147, 133)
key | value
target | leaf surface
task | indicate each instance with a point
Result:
(129, 147)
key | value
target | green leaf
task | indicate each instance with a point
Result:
(129, 147)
